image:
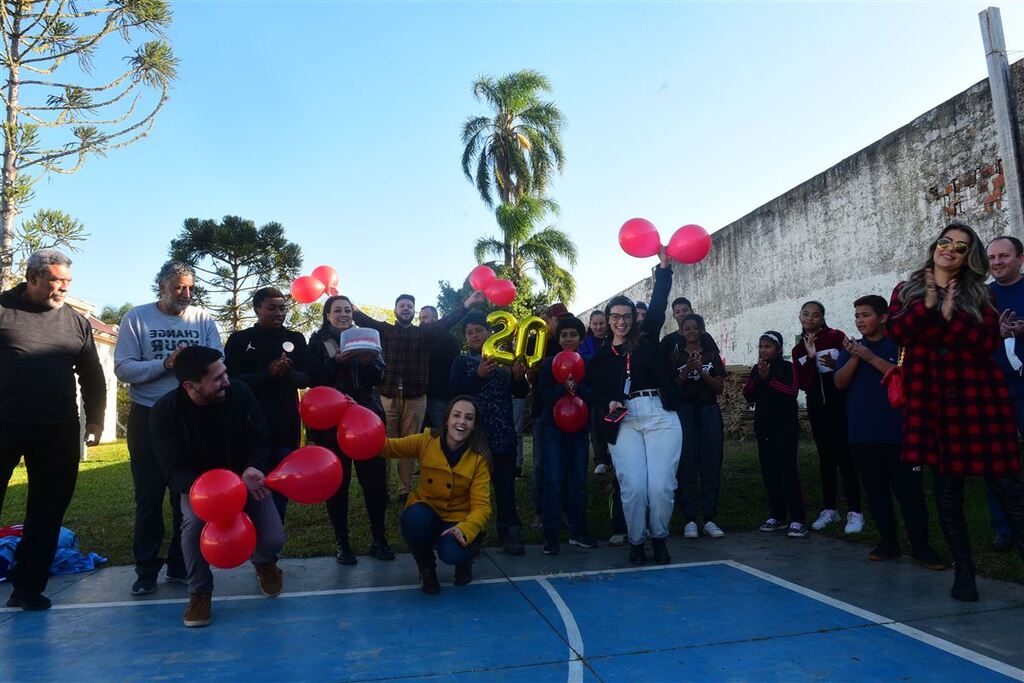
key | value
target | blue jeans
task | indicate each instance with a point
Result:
(565, 465)
(999, 524)
(422, 528)
(700, 465)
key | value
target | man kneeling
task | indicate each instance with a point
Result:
(209, 423)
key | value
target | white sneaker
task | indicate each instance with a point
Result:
(601, 469)
(690, 530)
(854, 523)
(617, 539)
(712, 530)
(824, 519)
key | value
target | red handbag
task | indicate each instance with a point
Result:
(893, 382)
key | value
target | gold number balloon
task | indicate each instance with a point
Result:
(539, 330)
(500, 345)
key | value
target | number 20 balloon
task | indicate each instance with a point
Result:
(510, 340)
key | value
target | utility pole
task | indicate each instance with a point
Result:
(1006, 120)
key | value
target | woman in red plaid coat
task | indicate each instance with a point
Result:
(959, 418)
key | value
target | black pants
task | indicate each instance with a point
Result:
(373, 479)
(781, 479)
(150, 491)
(829, 428)
(700, 464)
(51, 457)
(949, 500)
(503, 476)
(884, 474)
(618, 517)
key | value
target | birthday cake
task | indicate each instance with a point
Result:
(359, 339)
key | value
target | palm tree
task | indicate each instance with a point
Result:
(522, 247)
(516, 149)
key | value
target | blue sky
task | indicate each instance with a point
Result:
(341, 121)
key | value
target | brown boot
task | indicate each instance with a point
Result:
(198, 611)
(270, 577)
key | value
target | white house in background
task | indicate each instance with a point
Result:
(105, 337)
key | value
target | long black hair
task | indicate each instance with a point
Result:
(326, 324)
(634, 330)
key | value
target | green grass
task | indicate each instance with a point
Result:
(102, 510)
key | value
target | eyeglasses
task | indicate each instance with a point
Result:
(945, 243)
(616, 317)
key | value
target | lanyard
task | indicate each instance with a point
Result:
(629, 375)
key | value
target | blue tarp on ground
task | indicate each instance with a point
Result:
(67, 560)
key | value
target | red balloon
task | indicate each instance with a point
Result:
(638, 237)
(568, 364)
(228, 544)
(307, 475)
(500, 292)
(328, 276)
(306, 289)
(217, 495)
(322, 407)
(571, 413)
(690, 244)
(480, 277)
(361, 433)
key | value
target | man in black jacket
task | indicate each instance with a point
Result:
(43, 344)
(271, 359)
(210, 423)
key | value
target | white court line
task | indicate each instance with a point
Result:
(944, 645)
(572, 631)
(934, 641)
(366, 589)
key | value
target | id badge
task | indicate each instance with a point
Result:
(626, 387)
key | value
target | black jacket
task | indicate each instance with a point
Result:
(358, 380)
(248, 355)
(41, 350)
(607, 370)
(185, 448)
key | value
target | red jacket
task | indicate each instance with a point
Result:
(819, 387)
(958, 416)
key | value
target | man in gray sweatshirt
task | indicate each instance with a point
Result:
(148, 343)
(43, 345)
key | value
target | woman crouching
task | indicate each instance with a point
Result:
(452, 502)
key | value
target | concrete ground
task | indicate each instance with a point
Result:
(896, 591)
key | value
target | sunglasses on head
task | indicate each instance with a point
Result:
(945, 243)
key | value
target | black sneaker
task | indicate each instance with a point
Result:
(551, 549)
(381, 550)
(32, 602)
(179, 577)
(345, 555)
(772, 524)
(884, 552)
(143, 586)
(637, 556)
(660, 549)
(582, 541)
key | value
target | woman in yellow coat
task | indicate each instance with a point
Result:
(452, 502)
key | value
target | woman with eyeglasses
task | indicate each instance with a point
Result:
(635, 398)
(358, 375)
(959, 417)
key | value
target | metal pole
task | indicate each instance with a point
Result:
(1006, 120)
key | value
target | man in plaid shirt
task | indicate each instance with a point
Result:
(406, 348)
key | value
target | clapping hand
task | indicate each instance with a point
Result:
(762, 368)
(931, 294)
(281, 366)
(812, 350)
(1009, 324)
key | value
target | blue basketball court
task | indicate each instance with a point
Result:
(715, 620)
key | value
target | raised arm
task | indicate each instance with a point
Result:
(655, 319)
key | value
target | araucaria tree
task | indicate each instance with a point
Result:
(56, 115)
(233, 258)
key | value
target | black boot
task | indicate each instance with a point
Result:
(345, 555)
(513, 542)
(380, 547)
(463, 573)
(637, 556)
(426, 563)
(949, 502)
(660, 549)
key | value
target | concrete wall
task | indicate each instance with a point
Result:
(855, 229)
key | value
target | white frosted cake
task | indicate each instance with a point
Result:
(359, 339)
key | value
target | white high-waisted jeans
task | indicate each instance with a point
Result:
(646, 455)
